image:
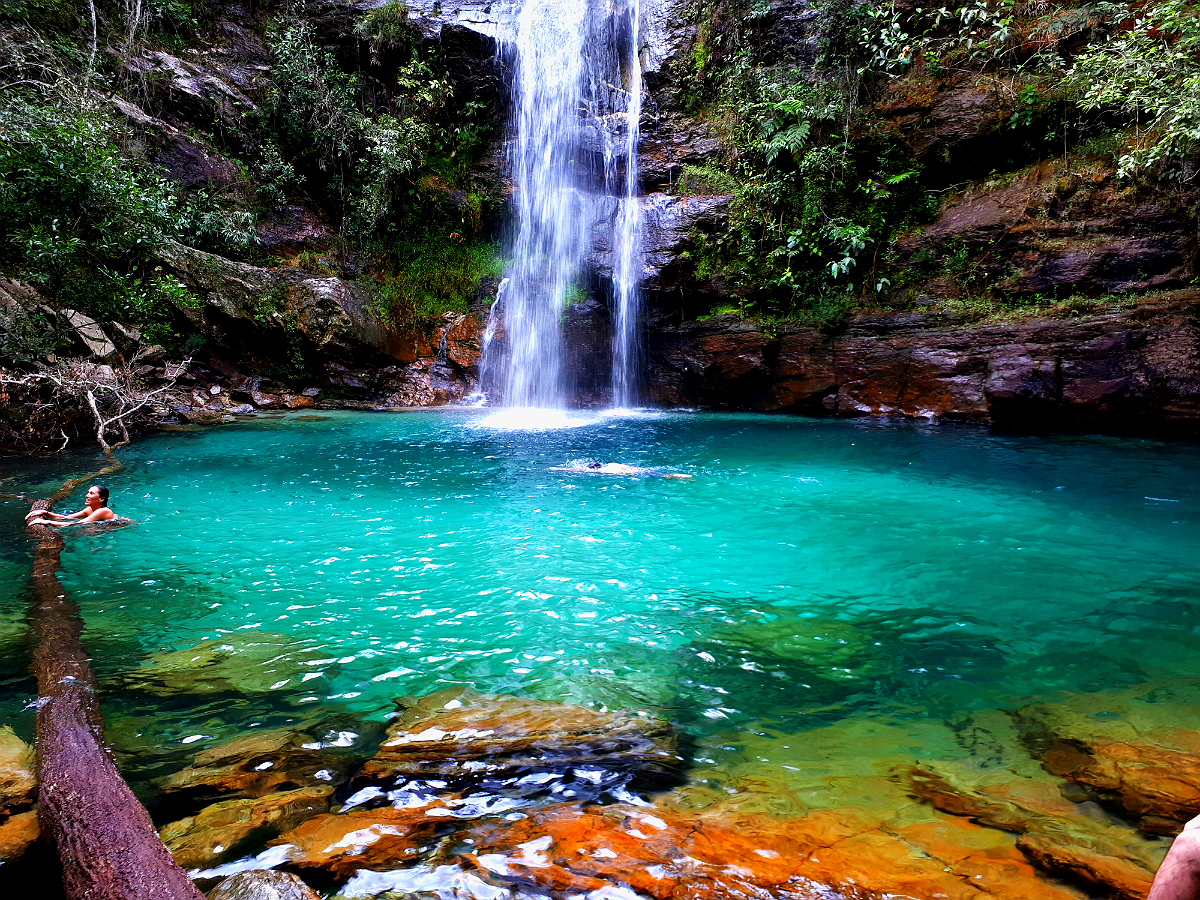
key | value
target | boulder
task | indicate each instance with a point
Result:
(463, 735)
(381, 839)
(16, 834)
(244, 662)
(180, 155)
(263, 884)
(292, 227)
(259, 764)
(90, 334)
(188, 94)
(222, 830)
(18, 785)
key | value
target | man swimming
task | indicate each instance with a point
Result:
(95, 510)
(612, 468)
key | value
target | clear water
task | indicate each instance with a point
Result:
(812, 572)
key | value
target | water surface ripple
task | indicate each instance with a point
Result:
(810, 571)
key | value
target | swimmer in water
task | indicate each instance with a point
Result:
(95, 510)
(595, 468)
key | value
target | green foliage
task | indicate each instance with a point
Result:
(1149, 69)
(432, 273)
(980, 31)
(80, 220)
(388, 28)
(812, 199)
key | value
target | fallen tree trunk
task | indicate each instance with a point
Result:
(107, 846)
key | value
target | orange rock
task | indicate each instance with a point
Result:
(1054, 835)
(16, 834)
(378, 839)
(458, 732)
(18, 787)
(1130, 757)
(664, 855)
(220, 830)
(1124, 877)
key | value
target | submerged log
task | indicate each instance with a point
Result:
(106, 843)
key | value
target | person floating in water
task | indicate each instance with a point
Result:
(594, 468)
(95, 510)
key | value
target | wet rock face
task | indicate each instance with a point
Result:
(219, 831)
(462, 736)
(1135, 367)
(18, 791)
(1046, 233)
(263, 884)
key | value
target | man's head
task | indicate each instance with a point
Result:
(97, 494)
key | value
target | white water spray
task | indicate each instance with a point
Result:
(572, 152)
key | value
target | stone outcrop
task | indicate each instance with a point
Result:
(18, 791)
(459, 734)
(247, 309)
(224, 829)
(265, 764)
(262, 884)
(1136, 366)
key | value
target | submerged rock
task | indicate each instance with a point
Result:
(258, 764)
(263, 884)
(1054, 834)
(16, 834)
(379, 840)
(18, 785)
(250, 662)
(461, 734)
(1127, 751)
(223, 829)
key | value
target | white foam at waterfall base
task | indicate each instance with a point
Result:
(534, 419)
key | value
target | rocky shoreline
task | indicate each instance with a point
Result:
(468, 794)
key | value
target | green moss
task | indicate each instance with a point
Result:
(425, 277)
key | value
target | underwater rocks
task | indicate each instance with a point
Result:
(1053, 833)
(258, 764)
(461, 734)
(1128, 752)
(1122, 367)
(18, 791)
(262, 884)
(220, 830)
(246, 662)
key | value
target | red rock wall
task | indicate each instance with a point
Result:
(1132, 367)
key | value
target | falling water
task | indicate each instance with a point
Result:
(627, 233)
(572, 155)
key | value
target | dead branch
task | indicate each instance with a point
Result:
(112, 396)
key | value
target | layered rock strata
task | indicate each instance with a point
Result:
(1124, 366)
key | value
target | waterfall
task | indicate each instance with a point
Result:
(572, 157)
